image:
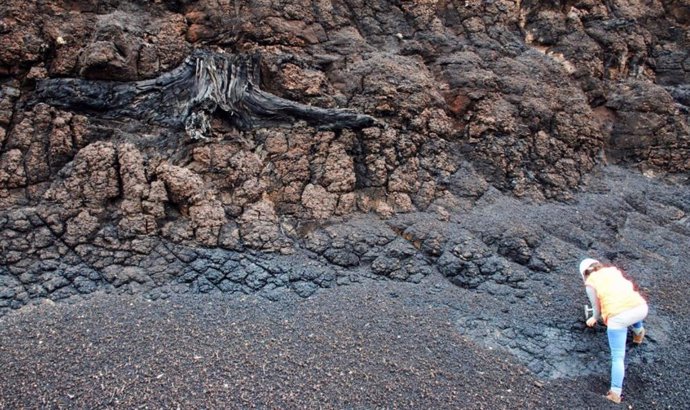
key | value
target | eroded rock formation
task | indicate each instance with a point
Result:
(145, 148)
(102, 188)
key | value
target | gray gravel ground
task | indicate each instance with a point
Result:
(375, 344)
(384, 343)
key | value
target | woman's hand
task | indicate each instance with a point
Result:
(591, 321)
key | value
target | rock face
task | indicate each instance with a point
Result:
(101, 186)
(523, 98)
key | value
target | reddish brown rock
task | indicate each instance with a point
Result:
(276, 142)
(199, 32)
(300, 83)
(20, 43)
(320, 203)
(81, 228)
(155, 199)
(12, 174)
(347, 203)
(61, 142)
(405, 178)
(136, 224)
(258, 227)
(132, 172)
(339, 170)
(186, 189)
(208, 217)
(91, 181)
(183, 186)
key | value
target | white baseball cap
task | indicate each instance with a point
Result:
(586, 263)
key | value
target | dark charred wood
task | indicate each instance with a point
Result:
(189, 95)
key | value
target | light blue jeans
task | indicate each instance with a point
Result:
(617, 332)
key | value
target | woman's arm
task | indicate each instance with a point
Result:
(594, 301)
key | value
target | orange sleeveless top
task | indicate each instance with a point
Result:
(615, 293)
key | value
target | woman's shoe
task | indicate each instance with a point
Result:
(614, 397)
(638, 337)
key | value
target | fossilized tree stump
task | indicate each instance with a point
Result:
(204, 84)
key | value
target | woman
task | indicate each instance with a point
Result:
(619, 305)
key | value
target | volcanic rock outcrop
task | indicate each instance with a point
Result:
(145, 146)
(521, 97)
